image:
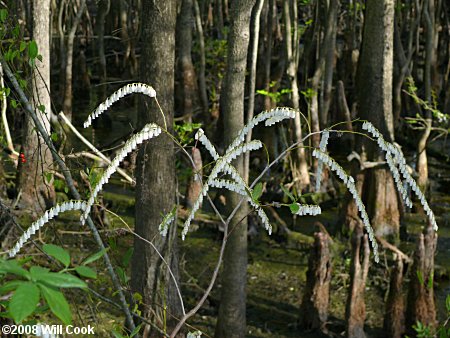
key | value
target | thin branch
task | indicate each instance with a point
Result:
(92, 147)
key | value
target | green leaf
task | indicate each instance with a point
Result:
(39, 57)
(287, 193)
(7, 91)
(41, 108)
(127, 257)
(57, 280)
(117, 334)
(135, 331)
(95, 257)
(14, 103)
(58, 253)
(3, 14)
(32, 49)
(24, 301)
(85, 271)
(54, 137)
(11, 286)
(257, 192)
(13, 267)
(122, 275)
(22, 46)
(294, 208)
(16, 31)
(57, 303)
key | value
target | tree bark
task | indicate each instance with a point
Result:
(37, 193)
(394, 318)
(67, 103)
(355, 312)
(232, 319)
(314, 308)
(300, 172)
(155, 171)
(421, 306)
(375, 73)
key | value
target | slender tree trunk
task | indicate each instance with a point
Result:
(252, 78)
(103, 10)
(155, 170)
(201, 75)
(355, 313)
(232, 319)
(375, 73)
(314, 308)
(421, 306)
(394, 318)
(300, 171)
(67, 104)
(430, 59)
(38, 193)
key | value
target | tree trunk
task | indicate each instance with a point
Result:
(300, 172)
(421, 306)
(232, 319)
(314, 308)
(201, 75)
(394, 317)
(375, 73)
(37, 192)
(103, 9)
(67, 104)
(155, 171)
(355, 312)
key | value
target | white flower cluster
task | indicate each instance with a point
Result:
(117, 95)
(262, 215)
(200, 135)
(272, 116)
(150, 130)
(164, 226)
(48, 215)
(397, 163)
(306, 209)
(229, 185)
(350, 183)
(323, 148)
(223, 164)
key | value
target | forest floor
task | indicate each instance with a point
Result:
(276, 269)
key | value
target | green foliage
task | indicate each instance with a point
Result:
(34, 285)
(185, 131)
(119, 332)
(257, 192)
(411, 90)
(274, 96)
(442, 331)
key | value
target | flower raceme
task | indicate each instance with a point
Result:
(323, 148)
(350, 183)
(48, 215)
(117, 95)
(223, 164)
(397, 164)
(151, 130)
